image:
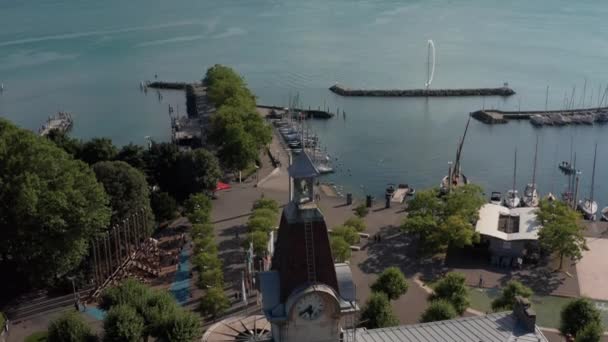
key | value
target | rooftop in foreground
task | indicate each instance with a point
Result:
(498, 327)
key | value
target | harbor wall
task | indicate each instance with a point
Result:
(343, 91)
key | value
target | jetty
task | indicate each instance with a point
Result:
(167, 85)
(582, 116)
(344, 91)
(61, 122)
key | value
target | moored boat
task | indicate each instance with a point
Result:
(530, 197)
(512, 199)
(455, 176)
(496, 197)
(605, 214)
(588, 206)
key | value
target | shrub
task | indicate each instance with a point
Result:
(340, 249)
(439, 310)
(507, 296)
(391, 282)
(69, 327)
(349, 234)
(377, 312)
(452, 288)
(578, 314)
(356, 222)
(361, 210)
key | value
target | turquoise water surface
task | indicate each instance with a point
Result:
(88, 57)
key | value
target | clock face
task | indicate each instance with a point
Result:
(310, 307)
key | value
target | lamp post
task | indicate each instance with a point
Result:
(71, 278)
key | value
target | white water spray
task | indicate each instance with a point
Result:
(430, 63)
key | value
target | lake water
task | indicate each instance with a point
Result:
(88, 57)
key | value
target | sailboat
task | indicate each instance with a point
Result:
(530, 197)
(512, 199)
(455, 176)
(588, 206)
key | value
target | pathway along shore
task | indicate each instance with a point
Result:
(343, 91)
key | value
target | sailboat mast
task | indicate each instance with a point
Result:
(535, 158)
(593, 173)
(514, 172)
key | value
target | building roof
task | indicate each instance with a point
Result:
(498, 327)
(490, 216)
(302, 167)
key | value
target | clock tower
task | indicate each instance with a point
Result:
(306, 297)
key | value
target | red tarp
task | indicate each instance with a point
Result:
(221, 186)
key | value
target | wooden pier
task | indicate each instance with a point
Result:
(586, 116)
(61, 122)
(343, 91)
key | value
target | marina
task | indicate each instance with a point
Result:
(61, 122)
(583, 116)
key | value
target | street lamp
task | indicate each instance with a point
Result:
(71, 278)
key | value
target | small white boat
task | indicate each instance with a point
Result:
(589, 208)
(496, 197)
(530, 197)
(512, 199)
(605, 214)
(550, 197)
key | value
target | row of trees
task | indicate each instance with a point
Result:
(345, 235)
(134, 313)
(214, 302)
(377, 312)
(263, 219)
(237, 130)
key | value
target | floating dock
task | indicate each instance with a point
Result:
(61, 122)
(278, 112)
(584, 116)
(343, 91)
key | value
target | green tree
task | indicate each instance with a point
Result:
(577, 314)
(161, 160)
(591, 332)
(63, 140)
(197, 172)
(356, 222)
(50, 207)
(163, 206)
(206, 260)
(197, 208)
(182, 327)
(562, 233)
(69, 327)
(452, 288)
(133, 155)
(123, 324)
(212, 277)
(266, 203)
(439, 222)
(257, 128)
(129, 292)
(127, 188)
(439, 310)
(97, 150)
(239, 148)
(214, 302)
(260, 242)
(265, 213)
(391, 282)
(377, 312)
(202, 230)
(340, 249)
(261, 223)
(506, 300)
(349, 234)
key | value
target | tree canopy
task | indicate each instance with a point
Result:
(506, 300)
(237, 129)
(157, 311)
(69, 327)
(126, 186)
(562, 232)
(356, 222)
(214, 302)
(266, 203)
(391, 282)
(577, 314)
(340, 249)
(63, 140)
(133, 155)
(97, 150)
(377, 312)
(452, 288)
(348, 233)
(439, 310)
(592, 332)
(163, 206)
(443, 221)
(50, 207)
(123, 324)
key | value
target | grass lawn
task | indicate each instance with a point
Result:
(39, 336)
(547, 308)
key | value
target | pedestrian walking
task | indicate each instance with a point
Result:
(5, 324)
(480, 280)
(76, 306)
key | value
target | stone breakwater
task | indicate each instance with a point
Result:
(584, 116)
(343, 91)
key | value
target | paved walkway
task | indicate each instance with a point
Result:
(592, 270)
(180, 288)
